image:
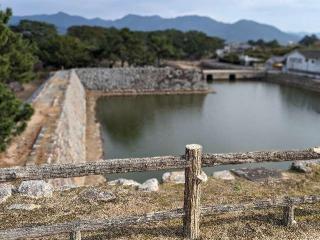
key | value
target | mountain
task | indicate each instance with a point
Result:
(61, 20)
(240, 31)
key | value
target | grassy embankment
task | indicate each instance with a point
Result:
(262, 224)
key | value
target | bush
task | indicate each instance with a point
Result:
(16, 54)
(14, 116)
(231, 58)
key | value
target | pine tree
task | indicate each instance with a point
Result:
(14, 116)
(4, 37)
(16, 64)
(16, 54)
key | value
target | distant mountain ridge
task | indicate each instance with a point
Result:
(240, 31)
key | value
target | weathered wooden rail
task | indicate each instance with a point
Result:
(192, 162)
(150, 164)
(95, 225)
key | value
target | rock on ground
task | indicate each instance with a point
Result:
(204, 177)
(304, 166)
(5, 192)
(67, 187)
(16, 86)
(35, 189)
(258, 174)
(179, 177)
(174, 177)
(223, 175)
(151, 185)
(27, 207)
(94, 195)
(124, 182)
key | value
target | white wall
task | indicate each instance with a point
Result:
(314, 65)
(296, 61)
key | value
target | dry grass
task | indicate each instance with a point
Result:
(264, 224)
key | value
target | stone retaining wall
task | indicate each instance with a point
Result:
(64, 139)
(70, 134)
(295, 81)
(148, 79)
(69, 139)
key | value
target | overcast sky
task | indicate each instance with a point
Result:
(288, 15)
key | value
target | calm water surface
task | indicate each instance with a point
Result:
(241, 116)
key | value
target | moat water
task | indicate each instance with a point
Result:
(240, 116)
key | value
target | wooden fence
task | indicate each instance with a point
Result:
(192, 162)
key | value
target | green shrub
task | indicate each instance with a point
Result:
(14, 116)
(16, 54)
(231, 58)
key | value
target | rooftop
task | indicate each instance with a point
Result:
(313, 54)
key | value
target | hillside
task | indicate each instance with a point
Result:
(239, 32)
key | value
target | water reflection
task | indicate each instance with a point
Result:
(124, 118)
(303, 99)
(242, 116)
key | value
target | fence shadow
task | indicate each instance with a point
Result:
(129, 232)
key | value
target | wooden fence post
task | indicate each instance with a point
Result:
(288, 215)
(75, 235)
(192, 192)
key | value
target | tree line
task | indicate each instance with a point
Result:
(33, 46)
(266, 49)
(97, 46)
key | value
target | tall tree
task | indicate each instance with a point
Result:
(16, 64)
(16, 54)
(309, 40)
(161, 46)
(96, 38)
(67, 52)
(36, 31)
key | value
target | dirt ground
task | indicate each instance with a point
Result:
(262, 224)
(31, 87)
(46, 111)
(187, 65)
(94, 148)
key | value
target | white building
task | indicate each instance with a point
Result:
(238, 48)
(249, 61)
(304, 61)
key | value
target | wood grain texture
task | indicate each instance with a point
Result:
(212, 159)
(91, 168)
(89, 225)
(149, 164)
(192, 192)
(75, 235)
(99, 224)
(288, 215)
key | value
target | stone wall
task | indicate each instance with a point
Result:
(148, 79)
(295, 81)
(70, 135)
(62, 103)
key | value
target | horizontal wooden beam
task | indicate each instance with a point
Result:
(89, 225)
(212, 159)
(149, 164)
(51, 171)
(94, 225)
(260, 204)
